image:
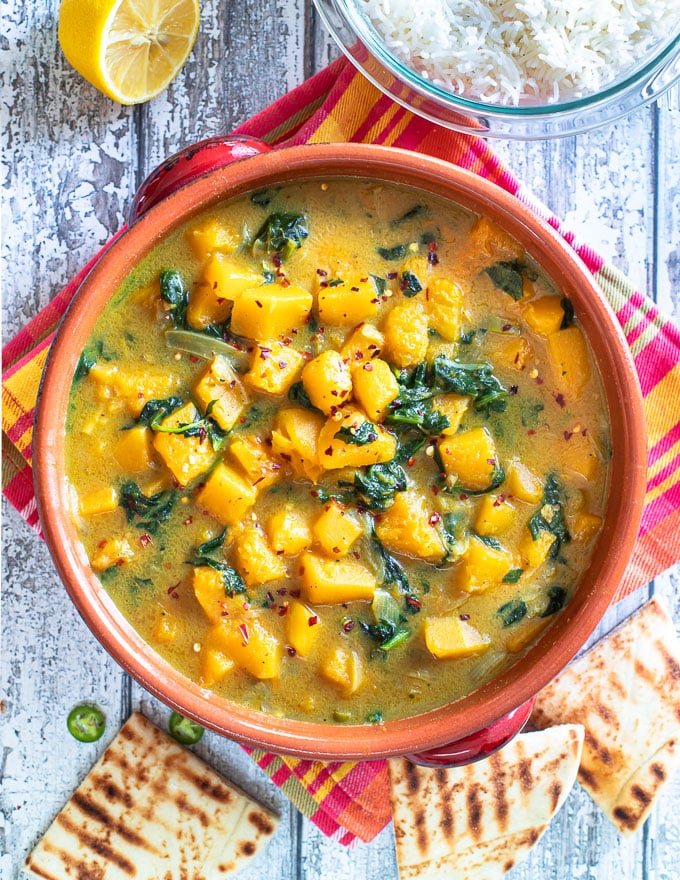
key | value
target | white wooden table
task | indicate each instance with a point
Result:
(72, 161)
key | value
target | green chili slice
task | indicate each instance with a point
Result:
(86, 723)
(184, 730)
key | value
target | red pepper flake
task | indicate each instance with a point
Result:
(280, 552)
(435, 490)
(368, 368)
(356, 554)
(193, 358)
(348, 626)
(188, 521)
(336, 550)
(246, 605)
(432, 258)
(243, 629)
(282, 592)
(291, 650)
(539, 381)
(172, 591)
(584, 432)
(391, 276)
(514, 389)
(464, 616)
(145, 540)
(329, 451)
(140, 395)
(285, 282)
(242, 420)
(491, 461)
(499, 500)
(411, 461)
(283, 365)
(283, 610)
(168, 565)
(559, 400)
(321, 272)
(296, 593)
(258, 304)
(102, 543)
(434, 519)
(313, 620)
(531, 432)
(567, 435)
(413, 602)
(270, 597)
(506, 327)
(463, 496)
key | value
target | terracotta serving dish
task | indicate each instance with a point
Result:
(485, 718)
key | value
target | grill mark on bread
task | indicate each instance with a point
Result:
(555, 791)
(96, 845)
(658, 771)
(500, 800)
(475, 810)
(412, 777)
(598, 749)
(587, 778)
(640, 794)
(111, 790)
(446, 823)
(261, 821)
(421, 832)
(625, 818)
(95, 811)
(526, 780)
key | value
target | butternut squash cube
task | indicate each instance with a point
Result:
(134, 449)
(99, 501)
(251, 645)
(580, 455)
(535, 551)
(289, 532)
(454, 407)
(255, 560)
(274, 367)
(585, 526)
(334, 582)
(569, 360)
(525, 633)
(220, 386)
(251, 454)
(407, 527)
(131, 389)
(211, 237)
(187, 456)
(512, 350)
(495, 515)
(328, 381)
(269, 311)
(489, 244)
(112, 551)
(450, 637)
(295, 439)
(226, 495)
(337, 452)
(215, 665)
(364, 344)
(375, 386)
(522, 483)
(444, 305)
(482, 567)
(544, 315)
(406, 336)
(212, 596)
(222, 281)
(302, 628)
(167, 628)
(343, 668)
(348, 302)
(471, 458)
(335, 530)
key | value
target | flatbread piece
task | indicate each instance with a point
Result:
(477, 822)
(151, 810)
(626, 693)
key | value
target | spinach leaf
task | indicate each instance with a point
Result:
(406, 450)
(262, 197)
(513, 576)
(281, 234)
(379, 283)
(513, 611)
(387, 629)
(155, 411)
(174, 292)
(378, 484)
(507, 276)
(394, 574)
(411, 214)
(233, 582)
(297, 394)
(409, 284)
(398, 252)
(361, 436)
(85, 363)
(146, 512)
(550, 517)
(557, 596)
(489, 541)
(471, 379)
(568, 309)
(207, 547)
(531, 410)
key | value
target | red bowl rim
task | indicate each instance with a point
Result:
(629, 453)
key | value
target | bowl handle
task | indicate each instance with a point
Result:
(477, 745)
(190, 163)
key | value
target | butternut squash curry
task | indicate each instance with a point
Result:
(339, 451)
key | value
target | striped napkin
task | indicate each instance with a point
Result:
(351, 801)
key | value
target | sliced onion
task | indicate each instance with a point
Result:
(206, 347)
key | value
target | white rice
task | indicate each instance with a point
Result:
(522, 51)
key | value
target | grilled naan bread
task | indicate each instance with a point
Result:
(626, 693)
(477, 822)
(151, 810)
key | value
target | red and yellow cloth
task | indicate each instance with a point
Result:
(349, 801)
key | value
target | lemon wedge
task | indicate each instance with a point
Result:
(130, 50)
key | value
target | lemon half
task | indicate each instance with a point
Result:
(128, 49)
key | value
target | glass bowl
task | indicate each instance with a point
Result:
(653, 74)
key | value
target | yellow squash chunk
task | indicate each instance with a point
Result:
(364, 344)
(470, 457)
(334, 582)
(112, 551)
(580, 455)
(495, 515)
(585, 526)
(302, 628)
(226, 495)
(343, 668)
(270, 311)
(295, 439)
(511, 350)
(210, 592)
(134, 449)
(335, 530)
(132, 389)
(212, 237)
(212, 298)
(544, 315)
(99, 501)
(409, 527)
(220, 386)
(406, 336)
(251, 645)
(444, 304)
(521, 483)
(289, 532)
(525, 633)
(569, 360)
(450, 637)
(375, 386)
(187, 456)
(167, 628)
(534, 552)
(349, 302)
(215, 665)
(454, 407)
(334, 452)
(328, 381)
(490, 244)
(482, 567)
(274, 367)
(255, 560)
(254, 458)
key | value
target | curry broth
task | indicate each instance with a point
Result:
(499, 556)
